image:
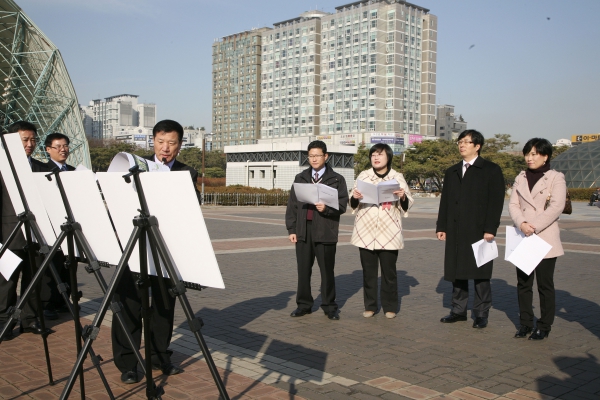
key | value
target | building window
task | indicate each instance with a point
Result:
(251, 174)
(262, 174)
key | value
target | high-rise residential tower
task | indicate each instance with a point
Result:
(236, 88)
(290, 86)
(378, 68)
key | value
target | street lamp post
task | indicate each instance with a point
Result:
(203, 153)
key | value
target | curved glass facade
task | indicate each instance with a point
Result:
(581, 165)
(37, 86)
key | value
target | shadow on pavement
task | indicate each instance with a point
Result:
(581, 382)
(229, 324)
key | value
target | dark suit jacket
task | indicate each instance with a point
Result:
(51, 165)
(470, 206)
(179, 166)
(326, 224)
(9, 217)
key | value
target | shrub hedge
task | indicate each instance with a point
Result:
(581, 194)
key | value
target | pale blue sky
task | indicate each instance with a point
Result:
(527, 75)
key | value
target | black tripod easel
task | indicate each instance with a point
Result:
(146, 227)
(71, 231)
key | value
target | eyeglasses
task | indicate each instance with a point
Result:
(64, 146)
(463, 142)
(316, 156)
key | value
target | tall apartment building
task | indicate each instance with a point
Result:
(290, 86)
(448, 126)
(106, 118)
(236, 88)
(368, 69)
(378, 69)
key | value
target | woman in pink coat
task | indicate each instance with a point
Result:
(536, 202)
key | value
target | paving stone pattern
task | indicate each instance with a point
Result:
(259, 348)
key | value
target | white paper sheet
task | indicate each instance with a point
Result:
(484, 251)
(23, 169)
(369, 192)
(8, 263)
(525, 252)
(123, 161)
(173, 201)
(513, 238)
(377, 194)
(317, 193)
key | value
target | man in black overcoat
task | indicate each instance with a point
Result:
(168, 138)
(470, 210)
(8, 288)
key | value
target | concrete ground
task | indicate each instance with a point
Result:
(263, 353)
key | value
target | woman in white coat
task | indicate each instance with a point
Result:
(378, 232)
(536, 202)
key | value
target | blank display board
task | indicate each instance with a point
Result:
(172, 200)
(33, 197)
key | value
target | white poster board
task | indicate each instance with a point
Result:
(173, 201)
(525, 252)
(23, 169)
(8, 263)
(88, 210)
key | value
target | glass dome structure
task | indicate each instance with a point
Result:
(37, 86)
(580, 164)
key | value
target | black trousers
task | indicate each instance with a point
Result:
(49, 293)
(306, 252)
(481, 302)
(544, 275)
(371, 260)
(161, 324)
(8, 292)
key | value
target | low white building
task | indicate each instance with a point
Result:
(563, 142)
(274, 165)
(142, 137)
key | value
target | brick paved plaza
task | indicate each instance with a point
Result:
(263, 353)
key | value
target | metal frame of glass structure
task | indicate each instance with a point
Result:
(580, 164)
(36, 85)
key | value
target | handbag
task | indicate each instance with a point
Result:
(568, 207)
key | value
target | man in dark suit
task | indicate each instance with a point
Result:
(314, 229)
(8, 288)
(168, 138)
(470, 210)
(57, 147)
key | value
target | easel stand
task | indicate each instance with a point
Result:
(146, 227)
(71, 231)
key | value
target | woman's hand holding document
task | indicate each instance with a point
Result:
(313, 193)
(525, 252)
(484, 251)
(377, 194)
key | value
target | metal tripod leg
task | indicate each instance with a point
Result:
(178, 289)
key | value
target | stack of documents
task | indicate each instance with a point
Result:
(313, 193)
(377, 194)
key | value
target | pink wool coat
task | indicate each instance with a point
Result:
(376, 228)
(528, 206)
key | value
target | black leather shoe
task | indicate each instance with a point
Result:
(539, 334)
(480, 322)
(333, 315)
(523, 332)
(33, 327)
(168, 369)
(130, 377)
(50, 314)
(299, 312)
(451, 318)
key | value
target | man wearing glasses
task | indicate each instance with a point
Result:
(57, 147)
(314, 229)
(470, 210)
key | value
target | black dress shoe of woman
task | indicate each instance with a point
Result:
(33, 327)
(523, 331)
(539, 334)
